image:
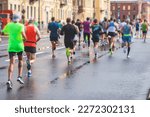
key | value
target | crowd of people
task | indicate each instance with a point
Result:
(107, 32)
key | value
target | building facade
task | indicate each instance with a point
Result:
(135, 9)
(91, 8)
(40, 10)
(123, 9)
(104, 9)
(85, 9)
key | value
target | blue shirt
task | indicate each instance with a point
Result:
(53, 27)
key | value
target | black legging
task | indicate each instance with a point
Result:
(88, 36)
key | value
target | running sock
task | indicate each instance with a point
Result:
(128, 51)
(95, 50)
(28, 64)
(67, 52)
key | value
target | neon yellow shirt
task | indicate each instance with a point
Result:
(14, 31)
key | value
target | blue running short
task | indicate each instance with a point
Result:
(126, 39)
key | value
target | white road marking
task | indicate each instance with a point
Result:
(3, 45)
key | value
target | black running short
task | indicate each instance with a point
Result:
(144, 32)
(112, 34)
(69, 44)
(54, 38)
(30, 49)
(11, 54)
(95, 40)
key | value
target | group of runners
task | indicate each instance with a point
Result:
(24, 38)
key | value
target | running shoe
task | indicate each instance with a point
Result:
(128, 56)
(95, 56)
(53, 56)
(110, 51)
(9, 84)
(69, 62)
(29, 73)
(28, 64)
(19, 79)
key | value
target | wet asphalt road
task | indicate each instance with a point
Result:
(109, 78)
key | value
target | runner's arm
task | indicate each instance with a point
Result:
(62, 31)
(38, 34)
(24, 36)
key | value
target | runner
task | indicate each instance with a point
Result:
(16, 33)
(144, 30)
(111, 35)
(96, 32)
(105, 27)
(86, 31)
(75, 38)
(79, 24)
(121, 25)
(117, 29)
(0, 27)
(30, 44)
(137, 26)
(126, 33)
(53, 27)
(69, 32)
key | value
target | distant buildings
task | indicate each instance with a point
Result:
(133, 9)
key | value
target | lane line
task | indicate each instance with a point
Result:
(3, 45)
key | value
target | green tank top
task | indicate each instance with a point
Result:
(144, 27)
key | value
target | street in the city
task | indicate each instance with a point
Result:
(108, 78)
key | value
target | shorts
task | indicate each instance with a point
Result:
(112, 34)
(126, 39)
(69, 44)
(30, 49)
(95, 40)
(54, 38)
(144, 32)
(12, 54)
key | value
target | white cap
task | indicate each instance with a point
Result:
(16, 18)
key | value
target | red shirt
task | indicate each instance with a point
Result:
(31, 36)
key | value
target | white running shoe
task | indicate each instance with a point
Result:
(128, 56)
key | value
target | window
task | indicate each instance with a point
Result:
(31, 12)
(129, 7)
(124, 7)
(34, 12)
(80, 3)
(11, 7)
(113, 7)
(1, 7)
(18, 7)
(27, 12)
(134, 16)
(15, 7)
